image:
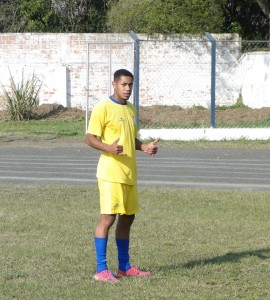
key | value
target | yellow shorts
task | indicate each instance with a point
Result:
(118, 198)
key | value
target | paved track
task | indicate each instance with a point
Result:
(182, 167)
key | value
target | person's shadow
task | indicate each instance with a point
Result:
(229, 257)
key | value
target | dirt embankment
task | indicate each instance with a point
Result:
(156, 114)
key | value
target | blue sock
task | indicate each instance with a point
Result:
(123, 254)
(101, 249)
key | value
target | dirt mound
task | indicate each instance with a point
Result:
(162, 115)
(51, 112)
(56, 111)
(173, 115)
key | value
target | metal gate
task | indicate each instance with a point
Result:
(103, 59)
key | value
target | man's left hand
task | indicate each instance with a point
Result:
(151, 148)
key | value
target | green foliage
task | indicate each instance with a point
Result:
(53, 16)
(246, 18)
(9, 17)
(38, 15)
(21, 98)
(249, 18)
(167, 17)
(265, 6)
(199, 107)
(239, 104)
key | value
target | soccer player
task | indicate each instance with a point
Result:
(112, 129)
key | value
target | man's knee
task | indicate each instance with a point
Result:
(107, 220)
(126, 220)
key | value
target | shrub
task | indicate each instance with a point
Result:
(21, 98)
(239, 104)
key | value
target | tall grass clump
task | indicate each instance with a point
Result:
(239, 104)
(20, 98)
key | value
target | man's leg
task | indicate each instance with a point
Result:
(100, 239)
(122, 240)
(110, 204)
(104, 224)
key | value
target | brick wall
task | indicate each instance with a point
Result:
(173, 71)
(59, 60)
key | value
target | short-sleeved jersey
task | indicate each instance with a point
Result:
(111, 120)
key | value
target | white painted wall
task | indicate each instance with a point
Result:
(255, 79)
(52, 77)
(177, 71)
(174, 71)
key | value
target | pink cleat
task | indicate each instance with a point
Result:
(106, 276)
(133, 271)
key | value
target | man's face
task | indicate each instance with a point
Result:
(122, 88)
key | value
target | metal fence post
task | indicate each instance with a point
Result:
(213, 77)
(87, 92)
(136, 89)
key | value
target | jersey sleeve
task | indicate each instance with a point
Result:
(97, 120)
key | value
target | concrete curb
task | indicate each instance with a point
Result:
(209, 134)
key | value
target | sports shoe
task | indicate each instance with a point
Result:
(106, 276)
(133, 271)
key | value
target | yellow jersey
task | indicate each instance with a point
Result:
(109, 121)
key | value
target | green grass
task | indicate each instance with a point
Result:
(241, 143)
(263, 123)
(76, 128)
(198, 244)
(58, 128)
(56, 131)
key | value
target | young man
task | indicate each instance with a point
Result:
(112, 129)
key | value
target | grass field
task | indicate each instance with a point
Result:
(57, 128)
(57, 131)
(198, 244)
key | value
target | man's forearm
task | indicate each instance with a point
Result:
(138, 145)
(96, 143)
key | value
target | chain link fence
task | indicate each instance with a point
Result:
(175, 83)
(103, 59)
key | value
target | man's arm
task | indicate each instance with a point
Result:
(150, 148)
(95, 142)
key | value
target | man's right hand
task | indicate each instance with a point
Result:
(116, 149)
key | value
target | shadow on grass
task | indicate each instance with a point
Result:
(229, 257)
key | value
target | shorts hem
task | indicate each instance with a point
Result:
(119, 213)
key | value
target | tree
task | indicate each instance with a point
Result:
(246, 18)
(265, 7)
(9, 16)
(165, 16)
(249, 18)
(82, 15)
(39, 16)
(53, 15)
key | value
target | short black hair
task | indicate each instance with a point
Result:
(121, 72)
